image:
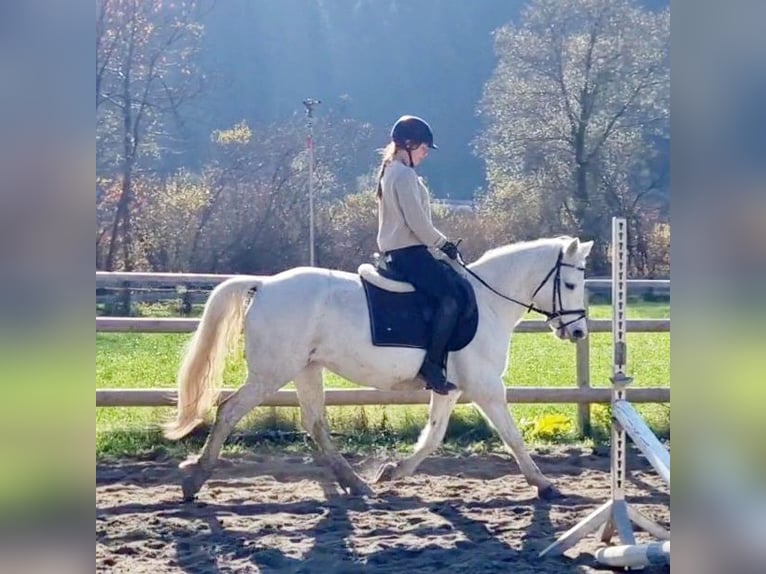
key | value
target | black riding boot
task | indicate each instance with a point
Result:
(433, 368)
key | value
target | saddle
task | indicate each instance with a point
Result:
(400, 316)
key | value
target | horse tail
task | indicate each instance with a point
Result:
(201, 371)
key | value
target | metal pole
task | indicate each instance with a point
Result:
(620, 520)
(310, 104)
(312, 259)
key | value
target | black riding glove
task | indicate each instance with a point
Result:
(450, 250)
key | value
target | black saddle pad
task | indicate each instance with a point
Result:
(404, 319)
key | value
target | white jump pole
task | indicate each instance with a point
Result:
(616, 516)
(635, 556)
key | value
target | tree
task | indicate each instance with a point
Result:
(168, 223)
(255, 216)
(576, 112)
(144, 75)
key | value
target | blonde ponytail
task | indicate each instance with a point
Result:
(387, 153)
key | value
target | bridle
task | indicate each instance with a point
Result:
(557, 310)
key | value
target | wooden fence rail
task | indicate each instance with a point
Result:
(365, 396)
(179, 325)
(120, 279)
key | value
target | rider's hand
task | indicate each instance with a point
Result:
(450, 249)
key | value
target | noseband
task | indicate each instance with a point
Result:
(557, 306)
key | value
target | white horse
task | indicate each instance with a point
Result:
(305, 320)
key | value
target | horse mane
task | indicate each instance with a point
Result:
(525, 246)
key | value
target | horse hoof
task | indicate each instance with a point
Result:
(193, 477)
(189, 488)
(361, 489)
(549, 492)
(386, 472)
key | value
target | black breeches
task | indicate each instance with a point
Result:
(432, 278)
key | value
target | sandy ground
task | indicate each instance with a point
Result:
(266, 513)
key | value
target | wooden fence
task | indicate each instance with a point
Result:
(583, 394)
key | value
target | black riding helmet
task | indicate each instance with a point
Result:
(412, 130)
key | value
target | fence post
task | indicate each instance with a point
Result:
(123, 300)
(582, 361)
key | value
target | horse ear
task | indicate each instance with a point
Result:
(573, 247)
(585, 248)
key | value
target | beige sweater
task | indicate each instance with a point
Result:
(404, 211)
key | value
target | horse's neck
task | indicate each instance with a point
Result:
(516, 274)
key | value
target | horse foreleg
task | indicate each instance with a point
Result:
(491, 402)
(309, 386)
(196, 470)
(430, 438)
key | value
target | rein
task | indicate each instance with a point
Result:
(556, 273)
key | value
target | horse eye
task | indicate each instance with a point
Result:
(569, 286)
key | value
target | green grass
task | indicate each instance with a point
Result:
(125, 360)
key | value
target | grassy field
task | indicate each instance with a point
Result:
(125, 360)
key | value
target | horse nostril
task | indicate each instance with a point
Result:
(578, 334)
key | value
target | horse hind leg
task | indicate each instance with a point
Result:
(430, 438)
(196, 470)
(308, 384)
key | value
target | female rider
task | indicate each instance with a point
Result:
(405, 234)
